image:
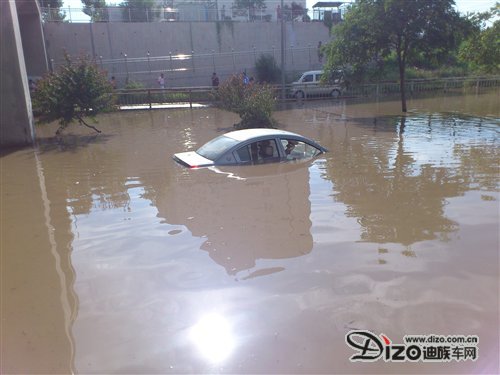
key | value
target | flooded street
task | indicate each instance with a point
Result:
(115, 259)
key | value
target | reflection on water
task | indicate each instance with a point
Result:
(397, 187)
(264, 216)
(117, 260)
(213, 337)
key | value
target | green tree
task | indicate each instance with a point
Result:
(139, 10)
(96, 9)
(481, 51)
(293, 11)
(374, 29)
(75, 91)
(267, 69)
(51, 10)
(254, 103)
(250, 4)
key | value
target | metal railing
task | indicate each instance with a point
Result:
(157, 98)
(416, 86)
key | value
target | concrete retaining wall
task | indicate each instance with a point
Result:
(227, 47)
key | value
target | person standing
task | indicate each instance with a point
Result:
(161, 81)
(215, 80)
(32, 85)
(320, 52)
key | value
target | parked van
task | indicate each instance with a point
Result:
(309, 84)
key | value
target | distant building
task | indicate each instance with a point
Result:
(208, 10)
(329, 9)
(226, 10)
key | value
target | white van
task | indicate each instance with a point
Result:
(310, 84)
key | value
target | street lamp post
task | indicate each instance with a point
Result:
(126, 67)
(282, 52)
(149, 66)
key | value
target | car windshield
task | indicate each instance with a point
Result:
(216, 147)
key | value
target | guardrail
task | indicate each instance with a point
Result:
(162, 98)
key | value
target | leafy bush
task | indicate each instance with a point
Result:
(133, 97)
(267, 69)
(77, 90)
(254, 103)
(133, 85)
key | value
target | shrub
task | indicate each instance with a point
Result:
(267, 69)
(254, 103)
(77, 90)
(133, 97)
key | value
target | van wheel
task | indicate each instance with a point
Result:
(299, 95)
(335, 93)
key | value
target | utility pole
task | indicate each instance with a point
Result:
(283, 93)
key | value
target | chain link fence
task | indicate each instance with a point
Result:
(193, 69)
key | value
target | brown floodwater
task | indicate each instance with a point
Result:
(117, 260)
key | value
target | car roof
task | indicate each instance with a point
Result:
(246, 134)
(313, 72)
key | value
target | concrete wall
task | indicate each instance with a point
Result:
(16, 118)
(228, 47)
(33, 46)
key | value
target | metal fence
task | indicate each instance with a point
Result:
(416, 86)
(204, 95)
(195, 69)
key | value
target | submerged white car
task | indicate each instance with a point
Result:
(251, 146)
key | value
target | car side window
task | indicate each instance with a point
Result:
(308, 78)
(318, 78)
(259, 152)
(267, 150)
(244, 154)
(227, 158)
(298, 150)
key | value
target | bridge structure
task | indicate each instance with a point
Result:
(22, 55)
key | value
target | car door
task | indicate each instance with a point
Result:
(308, 83)
(320, 88)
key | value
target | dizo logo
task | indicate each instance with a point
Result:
(370, 348)
(426, 348)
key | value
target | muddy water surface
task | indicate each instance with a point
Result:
(117, 260)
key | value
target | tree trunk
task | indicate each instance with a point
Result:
(401, 63)
(82, 122)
